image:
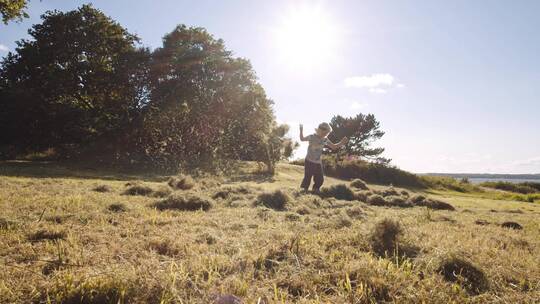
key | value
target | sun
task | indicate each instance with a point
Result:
(306, 37)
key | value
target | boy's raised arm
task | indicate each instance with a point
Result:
(302, 138)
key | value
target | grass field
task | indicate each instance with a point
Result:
(72, 235)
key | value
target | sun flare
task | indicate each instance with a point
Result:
(306, 37)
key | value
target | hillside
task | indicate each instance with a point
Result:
(82, 235)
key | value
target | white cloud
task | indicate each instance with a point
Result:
(3, 48)
(377, 91)
(373, 81)
(355, 105)
(376, 83)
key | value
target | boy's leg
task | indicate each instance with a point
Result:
(318, 177)
(308, 173)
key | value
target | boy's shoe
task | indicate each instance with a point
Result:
(316, 191)
(304, 190)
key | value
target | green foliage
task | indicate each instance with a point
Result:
(205, 105)
(359, 184)
(78, 79)
(374, 173)
(13, 9)
(523, 188)
(449, 183)
(361, 130)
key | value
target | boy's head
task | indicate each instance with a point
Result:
(324, 129)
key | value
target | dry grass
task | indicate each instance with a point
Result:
(59, 243)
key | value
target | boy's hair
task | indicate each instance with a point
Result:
(324, 127)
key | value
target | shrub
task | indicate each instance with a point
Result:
(186, 202)
(359, 184)
(512, 225)
(385, 236)
(458, 270)
(117, 207)
(389, 192)
(340, 191)
(182, 182)
(137, 189)
(276, 200)
(355, 212)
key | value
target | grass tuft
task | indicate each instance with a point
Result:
(103, 188)
(385, 236)
(339, 191)
(181, 182)
(137, 189)
(463, 272)
(359, 184)
(185, 202)
(512, 225)
(43, 234)
(117, 207)
(276, 200)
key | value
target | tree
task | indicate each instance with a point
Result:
(80, 78)
(205, 104)
(13, 9)
(362, 130)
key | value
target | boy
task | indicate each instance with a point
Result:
(313, 163)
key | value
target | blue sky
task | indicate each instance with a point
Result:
(455, 84)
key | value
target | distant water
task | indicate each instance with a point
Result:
(478, 180)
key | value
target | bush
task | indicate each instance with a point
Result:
(276, 200)
(186, 202)
(458, 270)
(183, 182)
(340, 191)
(359, 184)
(138, 190)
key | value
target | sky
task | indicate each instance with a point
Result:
(454, 84)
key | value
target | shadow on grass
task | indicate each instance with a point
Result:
(53, 169)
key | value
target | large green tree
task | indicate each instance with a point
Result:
(362, 130)
(205, 104)
(81, 77)
(13, 10)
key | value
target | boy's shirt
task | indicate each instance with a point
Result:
(315, 148)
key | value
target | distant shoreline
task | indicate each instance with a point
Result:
(477, 178)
